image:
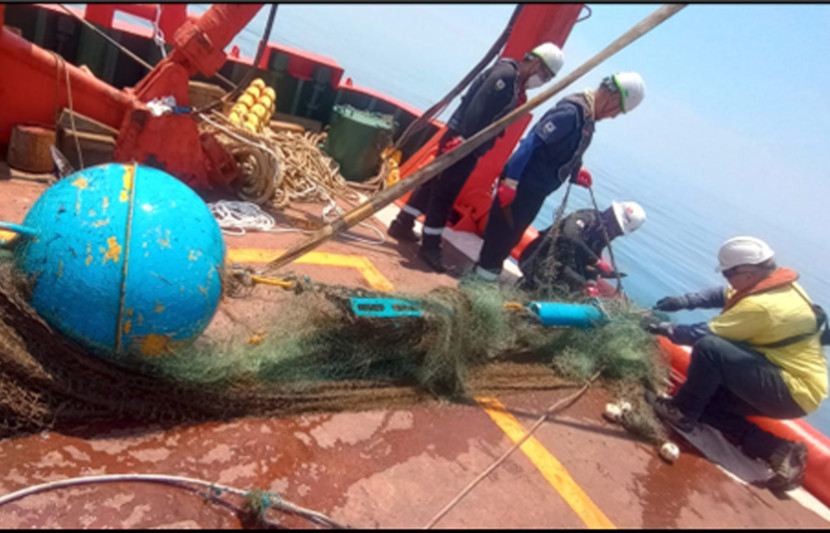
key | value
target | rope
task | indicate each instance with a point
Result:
(304, 174)
(122, 48)
(108, 38)
(419, 123)
(59, 61)
(549, 263)
(378, 182)
(338, 211)
(176, 481)
(244, 140)
(158, 34)
(608, 244)
(246, 79)
(561, 404)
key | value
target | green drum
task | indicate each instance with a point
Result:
(356, 140)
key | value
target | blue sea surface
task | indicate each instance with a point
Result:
(688, 218)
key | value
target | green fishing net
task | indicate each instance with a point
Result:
(308, 350)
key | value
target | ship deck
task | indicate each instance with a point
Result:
(388, 466)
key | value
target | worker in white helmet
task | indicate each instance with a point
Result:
(494, 93)
(548, 156)
(762, 356)
(567, 257)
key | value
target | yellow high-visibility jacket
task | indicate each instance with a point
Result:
(774, 315)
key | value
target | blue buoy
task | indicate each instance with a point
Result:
(126, 260)
(565, 314)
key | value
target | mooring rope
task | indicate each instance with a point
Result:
(269, 499)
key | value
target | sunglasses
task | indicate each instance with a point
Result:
(734, 271)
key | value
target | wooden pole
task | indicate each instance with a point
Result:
(387, 196)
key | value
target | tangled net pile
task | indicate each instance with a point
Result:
(315, 356)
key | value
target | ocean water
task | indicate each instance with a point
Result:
(687, 219)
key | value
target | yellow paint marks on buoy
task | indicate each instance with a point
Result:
(129, 312)
(114, 251)
(257, 338)
(165, 242)
(159, 307)
(129, 176)
(81, 183)
(91, 213)
(106, 202)
(101, 223)
(78, 207)
(154, 345)
(128, 325)
(203, 290)
(194, 255)
(60, 269)
(89, 254)
(140, 319)
(144, 245)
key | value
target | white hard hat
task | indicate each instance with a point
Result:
(629, 215)
(551, 56)
(631, 87)
(743, 251)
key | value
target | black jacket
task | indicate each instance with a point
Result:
(578, 246)
(493, 94)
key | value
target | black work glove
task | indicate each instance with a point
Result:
(660, 328)
(671, 304)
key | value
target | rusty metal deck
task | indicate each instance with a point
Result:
(384, 468)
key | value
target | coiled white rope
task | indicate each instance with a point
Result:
(237, 218)
(234, 218)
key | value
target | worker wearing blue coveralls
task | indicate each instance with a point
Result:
(550, 154)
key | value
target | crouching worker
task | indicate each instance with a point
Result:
(570, 255)
(762, 356)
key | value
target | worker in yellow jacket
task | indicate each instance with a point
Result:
(762, 356)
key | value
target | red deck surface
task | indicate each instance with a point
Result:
(383, 468)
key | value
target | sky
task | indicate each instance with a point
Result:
(734, 101)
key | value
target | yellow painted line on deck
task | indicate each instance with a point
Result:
(548, 465)
(361, 263)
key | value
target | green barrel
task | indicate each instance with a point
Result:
(356, 140)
